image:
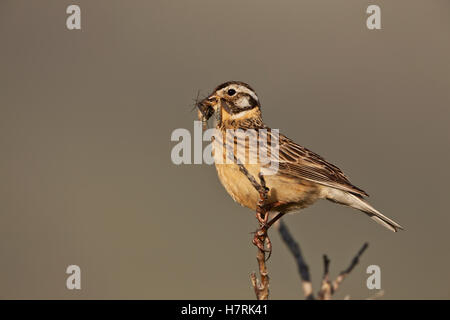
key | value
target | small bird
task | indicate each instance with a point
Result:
(302, 177)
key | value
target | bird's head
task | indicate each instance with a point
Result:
(234, 100)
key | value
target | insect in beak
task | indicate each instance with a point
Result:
(207, 107)
(219, 114)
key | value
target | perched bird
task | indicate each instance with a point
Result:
(302, 177)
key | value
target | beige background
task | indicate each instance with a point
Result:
(85, 124)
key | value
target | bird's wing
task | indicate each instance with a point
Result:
(298, 162)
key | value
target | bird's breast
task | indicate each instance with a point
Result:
(292, 193)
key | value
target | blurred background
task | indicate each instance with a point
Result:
(86, 117)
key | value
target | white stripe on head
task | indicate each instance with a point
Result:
(241, 88)
(250, 92)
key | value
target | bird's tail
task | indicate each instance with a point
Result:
(354, 201)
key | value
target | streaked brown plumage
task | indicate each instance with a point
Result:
(303, 177)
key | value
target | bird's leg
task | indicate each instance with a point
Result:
(275, 219)
(262, 216)
(261, 238)
(261, 234)
(269, 224)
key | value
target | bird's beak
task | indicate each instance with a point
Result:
(207, 106)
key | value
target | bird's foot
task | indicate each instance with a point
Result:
(263, 217)
(262, 241)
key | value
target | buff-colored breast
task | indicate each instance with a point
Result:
(294, 194)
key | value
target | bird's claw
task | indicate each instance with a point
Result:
(262, 241)
(263, 217)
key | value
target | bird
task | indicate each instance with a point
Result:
(302, 177)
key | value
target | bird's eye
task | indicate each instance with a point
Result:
(231, 92)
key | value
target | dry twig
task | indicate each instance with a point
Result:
(328, 287)
(261, 286)
(303, 268)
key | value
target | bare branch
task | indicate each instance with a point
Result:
(261, 287)
(303, 268)
(344, 274)
(328, 288)
(355, 260)
(326, 266)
